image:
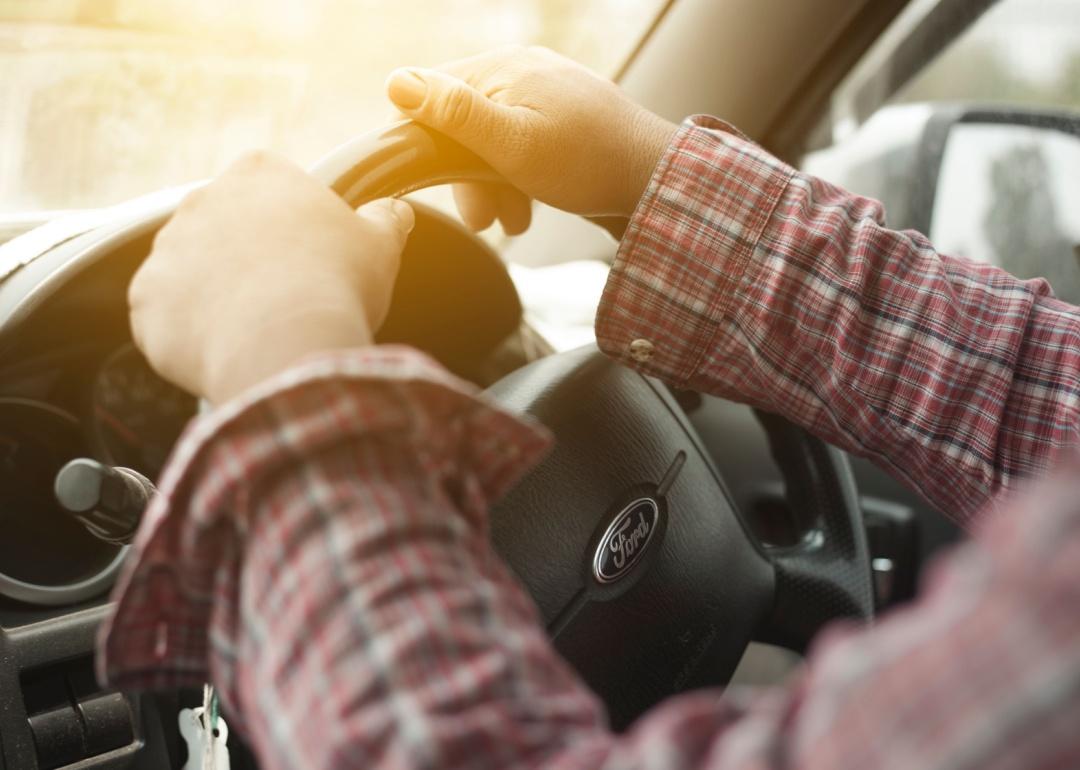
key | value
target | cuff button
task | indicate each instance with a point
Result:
(641, 350)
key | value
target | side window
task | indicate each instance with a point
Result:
(980, 149)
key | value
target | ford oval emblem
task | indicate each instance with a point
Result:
(625, 540)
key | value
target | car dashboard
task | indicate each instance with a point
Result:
(72, 385)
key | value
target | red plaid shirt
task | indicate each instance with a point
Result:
(305, 555)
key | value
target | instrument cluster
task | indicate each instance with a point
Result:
(135, 417)
(122, 415)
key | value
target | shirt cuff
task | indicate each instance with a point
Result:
(687, 249)
(192, 536)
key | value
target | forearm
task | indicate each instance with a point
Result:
(770, 287)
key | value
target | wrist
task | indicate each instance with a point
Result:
(266, 348)
(650, 137)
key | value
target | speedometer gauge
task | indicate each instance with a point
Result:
(46, 556)
(136, 416)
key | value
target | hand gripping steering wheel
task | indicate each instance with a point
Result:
(647, 577)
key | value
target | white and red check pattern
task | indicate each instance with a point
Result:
(319, 546)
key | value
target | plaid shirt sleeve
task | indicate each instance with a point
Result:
(742, 277)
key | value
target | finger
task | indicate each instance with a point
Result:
(515, 210)
(478, 205)
(393, 213)
(473, 70)
(448, 104)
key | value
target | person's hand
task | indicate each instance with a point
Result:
(258, 269)
(555, 131)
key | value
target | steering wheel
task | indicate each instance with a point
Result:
(648, 579)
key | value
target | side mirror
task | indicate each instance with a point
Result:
(1003, 186)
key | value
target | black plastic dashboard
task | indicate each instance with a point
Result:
(71, 385)
(68, 381)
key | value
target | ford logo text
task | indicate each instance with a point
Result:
(625, 540)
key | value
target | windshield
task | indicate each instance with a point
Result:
(104, 100)
(1019, 52)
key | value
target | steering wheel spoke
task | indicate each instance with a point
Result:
(827, 575)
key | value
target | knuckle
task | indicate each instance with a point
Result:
(455, 109)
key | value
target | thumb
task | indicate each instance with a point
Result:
(447, 104)
(392, 213)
